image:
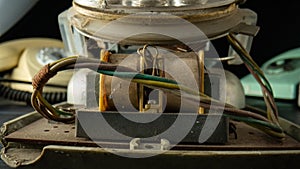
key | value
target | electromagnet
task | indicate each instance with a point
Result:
(148, 83)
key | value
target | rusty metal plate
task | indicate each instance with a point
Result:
(41, 144)
(44, 133)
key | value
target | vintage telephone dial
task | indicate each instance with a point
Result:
(21, 59)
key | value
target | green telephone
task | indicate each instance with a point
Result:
(21, 59)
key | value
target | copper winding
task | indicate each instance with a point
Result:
(201, 76)
(41, 78)
(103, 102)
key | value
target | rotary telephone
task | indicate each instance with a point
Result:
(21, 59)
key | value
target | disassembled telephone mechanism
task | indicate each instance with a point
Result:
(165, 49)
(148, 79)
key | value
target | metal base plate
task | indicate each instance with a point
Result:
(40, 144)
(44, 133)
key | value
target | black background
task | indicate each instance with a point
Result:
(278, 22)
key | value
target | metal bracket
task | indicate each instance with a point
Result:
(245, 29)
(245, 32)
(136, 144)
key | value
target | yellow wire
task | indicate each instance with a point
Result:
(268, 131)
(62, 59)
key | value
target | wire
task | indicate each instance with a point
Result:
(4, 80)
(238, 47)
(272, 111)
(268, 128)
(25, 96)
(135, 75)
(50, 70)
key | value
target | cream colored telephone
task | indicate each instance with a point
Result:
(25, 57)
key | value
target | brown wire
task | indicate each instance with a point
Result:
(49, 71)
(39, 81)
(42, 76)
(267, 94)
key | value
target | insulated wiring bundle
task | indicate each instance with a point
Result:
(266, 124)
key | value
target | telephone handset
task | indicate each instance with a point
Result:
(25, 57)
(11, 51)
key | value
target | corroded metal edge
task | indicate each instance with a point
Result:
(17, 123)
(11, 126)
(290, 128)
(90, 157)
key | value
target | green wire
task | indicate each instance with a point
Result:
(52, 109)
(266, 127)
(134, 75)
(254, 121)
(165, 83)
(256, 71)
(150, 80)
(247, 59)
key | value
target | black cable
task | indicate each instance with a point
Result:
(25, 96)
(26, 82)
